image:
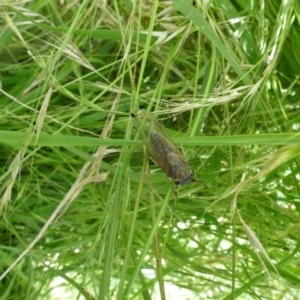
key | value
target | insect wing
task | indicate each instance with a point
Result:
(145, 124)
(171, 160)
(153, 135)
(162, 149)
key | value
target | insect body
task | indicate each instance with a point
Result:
(168, 157)
(162, 149)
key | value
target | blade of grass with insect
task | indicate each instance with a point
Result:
(162, 150)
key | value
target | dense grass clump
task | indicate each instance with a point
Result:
(85, 212)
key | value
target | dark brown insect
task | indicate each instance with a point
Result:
(162, 149)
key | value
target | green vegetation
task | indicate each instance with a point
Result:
(85, 214)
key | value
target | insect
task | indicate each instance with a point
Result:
(162, 150)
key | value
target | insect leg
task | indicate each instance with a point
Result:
(176, 184)
(199, 180)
